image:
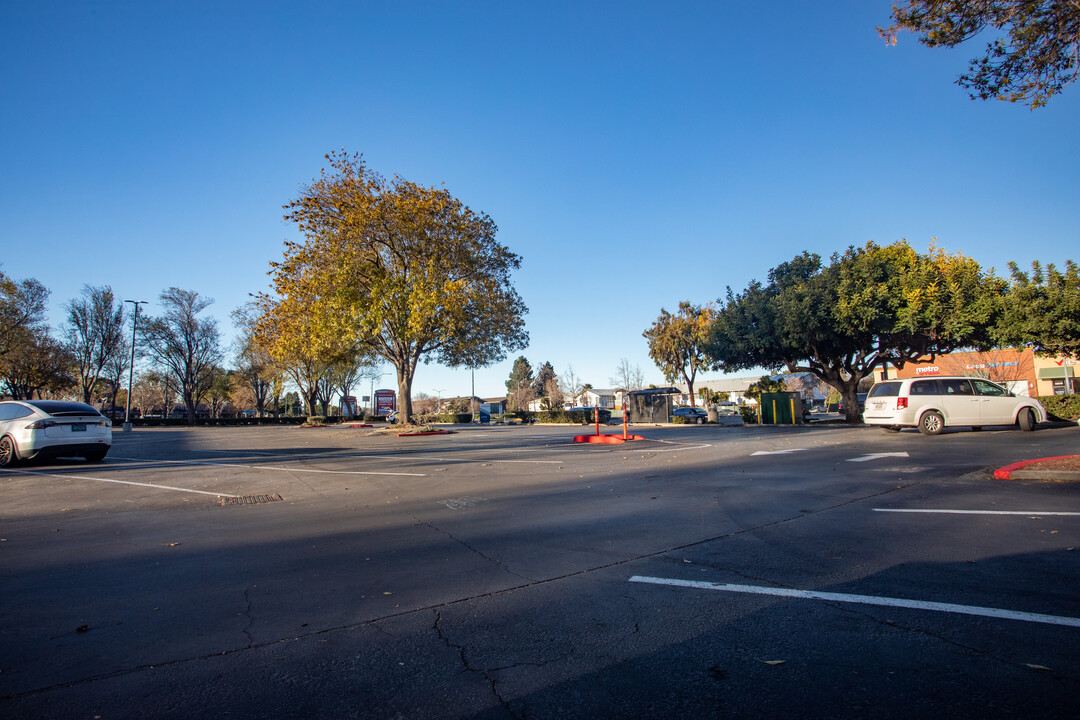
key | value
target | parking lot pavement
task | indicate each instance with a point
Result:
(497, 572)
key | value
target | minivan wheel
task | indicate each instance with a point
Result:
(8, 455)
(932, 423)
(1027, 419)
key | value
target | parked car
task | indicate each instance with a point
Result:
(392, 417)
(862, 402)
(692, 414)
(52, 428)
(932, 404)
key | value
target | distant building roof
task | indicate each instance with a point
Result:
(723, 385)
(658, 391)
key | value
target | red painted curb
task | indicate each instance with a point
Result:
(1006, 472)
(359, 426)
(606, 439)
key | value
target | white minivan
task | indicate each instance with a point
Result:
(932, 404)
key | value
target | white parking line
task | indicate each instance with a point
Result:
(215, 463)
(867, 600)
(977, 512)
(126, 482)
(680, 447)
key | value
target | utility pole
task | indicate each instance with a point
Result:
(131, 368)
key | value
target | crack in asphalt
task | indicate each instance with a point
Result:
(461, 542)
(247, 613)
(483, 672)
(487, 672)
(845, 607)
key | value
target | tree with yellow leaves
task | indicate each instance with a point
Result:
(408, 271)
(677, 343)
(869, 306)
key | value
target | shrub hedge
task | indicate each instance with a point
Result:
(1061, 407)
(444, 418)
(571, 417)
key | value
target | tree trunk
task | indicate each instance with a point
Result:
(849, 391)
(189, 403)
(850, 394)
(690, 386)
(406, 371)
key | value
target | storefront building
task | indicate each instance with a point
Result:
(1058, 376)
(1020, 370)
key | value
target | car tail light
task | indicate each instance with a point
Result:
(901, 403)
(41, 424)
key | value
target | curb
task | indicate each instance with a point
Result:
(1020, 471)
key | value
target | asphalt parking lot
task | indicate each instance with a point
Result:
(507, 572)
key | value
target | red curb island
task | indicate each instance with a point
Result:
(1006, 472)
(606, 439)
(359, 426)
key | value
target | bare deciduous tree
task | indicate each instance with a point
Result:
(628, 377)
(571, 385)
(95, 333)
(189, 346)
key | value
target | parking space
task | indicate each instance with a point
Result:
(517, 572)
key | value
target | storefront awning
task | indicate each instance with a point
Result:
(1056, 372)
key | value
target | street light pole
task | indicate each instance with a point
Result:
(131, 368)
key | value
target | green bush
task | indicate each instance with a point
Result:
(749, 414)
(1061, 407)
(584, 417)
(445, 418)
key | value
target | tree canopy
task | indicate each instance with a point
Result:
(519, 386)
(677, 342)
(407, 270)
(1034, 52)
(1042, 310)
(22, 312)
(869, 306)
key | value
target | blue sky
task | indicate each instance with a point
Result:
(635, 154)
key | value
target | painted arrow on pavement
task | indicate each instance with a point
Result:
(776, 452)
(875, 456)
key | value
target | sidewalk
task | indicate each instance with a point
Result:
(1065, 468)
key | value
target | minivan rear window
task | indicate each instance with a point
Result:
(885, 389)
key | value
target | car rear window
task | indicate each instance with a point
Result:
(60, 407)
(885, 388)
